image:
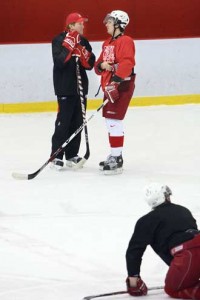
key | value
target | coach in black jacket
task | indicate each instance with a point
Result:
(66, 47)
(171, 231)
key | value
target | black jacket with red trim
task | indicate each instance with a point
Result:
(64, 71)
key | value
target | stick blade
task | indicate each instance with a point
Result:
(20, 176)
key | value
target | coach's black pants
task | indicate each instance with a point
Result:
(69, 119)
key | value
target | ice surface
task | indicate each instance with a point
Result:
(63, 235)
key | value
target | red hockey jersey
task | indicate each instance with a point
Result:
(120, 53)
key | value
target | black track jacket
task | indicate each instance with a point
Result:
(64, 74)
(163, 228)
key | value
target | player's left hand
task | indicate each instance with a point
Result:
(111, 91)
(136, 286)
(107, 66)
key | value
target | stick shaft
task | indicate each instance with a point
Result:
(119, 293)
(33, 175)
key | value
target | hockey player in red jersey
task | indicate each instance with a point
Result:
(172, 232)
(116, 67)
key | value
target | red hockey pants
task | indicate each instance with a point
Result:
(183, 277)
(118, 109)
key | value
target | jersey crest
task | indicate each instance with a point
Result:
(108, 54)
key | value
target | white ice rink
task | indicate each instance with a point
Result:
(63, 235)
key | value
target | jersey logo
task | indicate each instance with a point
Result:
(108, 54)
(111, 112)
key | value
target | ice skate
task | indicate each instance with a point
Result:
(73, 162)
(57, 164)
(113, 165)
(103, 163)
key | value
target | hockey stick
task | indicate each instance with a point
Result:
(33, 175)
(80, 89)
(119, 293)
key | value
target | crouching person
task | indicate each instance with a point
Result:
(172, 232)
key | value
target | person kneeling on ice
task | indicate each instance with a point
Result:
(116, 67)
(172, 232)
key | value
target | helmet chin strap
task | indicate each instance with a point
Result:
(113, 35)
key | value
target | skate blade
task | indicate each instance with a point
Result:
(113, 172)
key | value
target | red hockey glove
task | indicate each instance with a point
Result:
(111, 91)
(76, 52)
(84, 53)
(139, 290)
(81, 52)
(85, 56)
(71, 40)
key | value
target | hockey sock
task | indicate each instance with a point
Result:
(116, 136)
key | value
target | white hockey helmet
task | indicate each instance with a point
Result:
(120, 18)
(156, 194)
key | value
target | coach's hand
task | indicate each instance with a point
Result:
(71, 40)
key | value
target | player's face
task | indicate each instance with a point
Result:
(79, 27)
(110, 26)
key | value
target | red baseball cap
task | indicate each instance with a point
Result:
(74, 18)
